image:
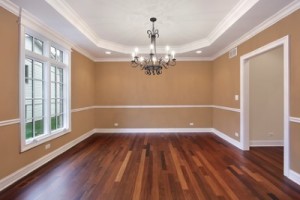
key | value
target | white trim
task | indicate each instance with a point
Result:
(227, 108)
(69, 14)
(10, 6)
(179, 59)
(168, 106)
(153, 106)
(266, 143)
(239, 9)
(30, 21)
(295, 119)
(289, 9)
(9, 122)
(244, 99)
(82, 109)
(225, 137)
(12, 178)
(153, 130)
(35, 29)
(294, 176)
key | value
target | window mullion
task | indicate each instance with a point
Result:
(47, 88)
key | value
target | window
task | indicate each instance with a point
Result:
(45, 89)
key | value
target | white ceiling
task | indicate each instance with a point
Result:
(96, 26)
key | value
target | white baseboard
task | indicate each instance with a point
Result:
(153, 130)
(294, 176)
(266, 143)
(227, 138)
(12, 178)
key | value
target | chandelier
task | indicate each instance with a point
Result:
(153, 65)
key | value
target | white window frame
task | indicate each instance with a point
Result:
(49, 39)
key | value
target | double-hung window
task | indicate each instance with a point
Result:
(45, 89)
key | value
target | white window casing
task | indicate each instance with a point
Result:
(48, 39)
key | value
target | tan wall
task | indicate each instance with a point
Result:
(83, 94)
(295, 147)
(226, 72)
(227, 122)
(154, 118)
(9, 67)
(83, 81)
(266, 96)
(187, 83)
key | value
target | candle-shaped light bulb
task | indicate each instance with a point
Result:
(166, 58)
(173, 54)
(154, 60)
(136, 50)
(133, 55)
(167, 49)
(141, 58)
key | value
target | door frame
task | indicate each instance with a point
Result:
(244, 97)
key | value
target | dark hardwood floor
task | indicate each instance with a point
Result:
(158, 166)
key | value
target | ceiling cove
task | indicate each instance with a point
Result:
(76, 20)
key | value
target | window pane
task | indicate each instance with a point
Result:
(53, 123)
(60, 121)
(29, 130)
(28, 68)
(59, 106)
(59, 73)
(38, 89)
(39, 127)
(52, 73)
(28, 42)
(28, 109)
(38, 46)
(59, 90)
(52, 52)
(53, 90)
(38, 70)
(59, 55)
(28, 89)
(53, 107)
(38, 109)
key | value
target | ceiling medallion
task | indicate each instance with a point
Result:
(153, 65)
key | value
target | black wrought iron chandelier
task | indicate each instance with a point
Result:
(154, 64)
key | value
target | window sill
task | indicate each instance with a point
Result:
(43, 139)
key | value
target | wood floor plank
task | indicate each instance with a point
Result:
(176, 161)
(139, 178)
(123, 167)
(183, 166)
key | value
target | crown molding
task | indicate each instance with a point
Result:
(31, 22)
(127, 59)
(28, 19)
(64, 9)
(68, 13)
(236, 13)
(289, 9)
(10, 6)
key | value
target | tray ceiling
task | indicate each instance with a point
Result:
(97, 26)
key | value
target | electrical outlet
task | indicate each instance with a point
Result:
(116, 124)
(47, 146)
(191, 123)
(270, 134)
(236, 97)
(236, 134)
